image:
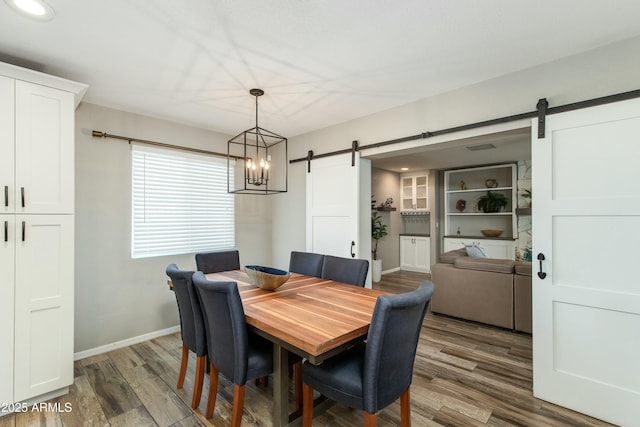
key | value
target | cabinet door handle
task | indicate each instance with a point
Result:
(6, 231)
(24, 226)
(6, 195)
(351, 249)
(22, 195)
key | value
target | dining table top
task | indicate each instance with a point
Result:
(310, 316)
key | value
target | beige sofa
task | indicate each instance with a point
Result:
(492, 291)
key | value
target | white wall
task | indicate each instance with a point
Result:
(118, 297)
(604, 71)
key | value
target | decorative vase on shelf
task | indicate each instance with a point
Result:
(461, 205)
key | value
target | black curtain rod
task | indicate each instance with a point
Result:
(529, 115)
(100, 134)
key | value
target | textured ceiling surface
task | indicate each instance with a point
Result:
(320, 62)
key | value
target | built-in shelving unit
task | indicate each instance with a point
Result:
(463, 219)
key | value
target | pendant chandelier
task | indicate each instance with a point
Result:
(257, 160)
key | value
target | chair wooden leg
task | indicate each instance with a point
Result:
(213, 390)
(199, 380)
(183, 365)
(297, 384)
(370, 420)
(405, 409)
(238, 405)
(307, 406)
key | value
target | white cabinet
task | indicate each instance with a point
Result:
(464, 217)
(415, 253)
(44, 150)
(43, 304)
(37, 233)
(414, 192)
(7, 262)
(495, 248)
(7, 145)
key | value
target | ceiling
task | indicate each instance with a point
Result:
(320, 62)
(502, 147)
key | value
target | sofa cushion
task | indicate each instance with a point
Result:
(523, 268)
(485, 264)
(450, 256)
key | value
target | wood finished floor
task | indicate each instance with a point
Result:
(466, 374)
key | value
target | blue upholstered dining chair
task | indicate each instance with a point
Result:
(345, 270)
(372, 375)
(307, 263)
(191, 328)
(213, 262)
(233, 350)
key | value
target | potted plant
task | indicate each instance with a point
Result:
(492, 202)
(378, 231)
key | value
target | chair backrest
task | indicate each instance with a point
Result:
(391, 345)
(191, 320)
(345, 270)
(227, 335)
(306, 263)
(213, 262)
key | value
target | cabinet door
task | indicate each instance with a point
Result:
(499, 249)
(423, 254)
(421, 192)
(7, 144)
(43, 304)
(44, 149)
(406, 191)
(7, 253)
(407, 253)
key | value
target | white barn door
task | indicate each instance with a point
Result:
(586, 224)
(337, 211)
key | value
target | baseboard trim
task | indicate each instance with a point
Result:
(124, 343)
(391, 270)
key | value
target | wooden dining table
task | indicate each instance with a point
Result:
(309, 316)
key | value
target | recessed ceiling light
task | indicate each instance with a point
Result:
(404, 169)
(34, 9)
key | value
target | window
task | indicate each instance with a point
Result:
(180, 203)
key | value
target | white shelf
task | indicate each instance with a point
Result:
(481, 190)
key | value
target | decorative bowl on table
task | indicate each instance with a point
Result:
(491, 233)
(266, 278)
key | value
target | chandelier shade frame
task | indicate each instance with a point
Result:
(257, 160)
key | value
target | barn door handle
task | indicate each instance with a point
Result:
(541, 274)
(351, 249)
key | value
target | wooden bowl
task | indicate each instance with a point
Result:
(266, 278)
(491, 233)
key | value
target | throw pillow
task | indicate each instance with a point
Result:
(475, 251)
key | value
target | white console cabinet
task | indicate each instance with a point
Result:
(501, 249)
(36, 233)
(415, 253)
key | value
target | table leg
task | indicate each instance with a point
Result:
(280, 386)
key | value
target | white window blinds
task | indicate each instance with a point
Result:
(180, 203)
